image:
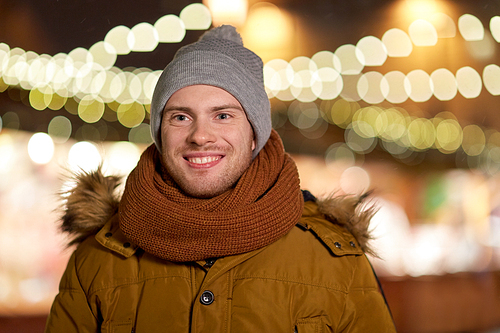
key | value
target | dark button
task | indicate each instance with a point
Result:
(207, 297)
(352, 244)
(210, 262)
(126, 245)
(108, 234)
(337, 245)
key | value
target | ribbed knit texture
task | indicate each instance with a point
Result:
(264, 205)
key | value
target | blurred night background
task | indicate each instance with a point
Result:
(399, 97)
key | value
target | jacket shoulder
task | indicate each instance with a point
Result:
(336, 238)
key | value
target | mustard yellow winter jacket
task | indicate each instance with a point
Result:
(314, 279)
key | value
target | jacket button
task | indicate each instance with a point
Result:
(352, 244)
(337, 245)
(108, 234)
(207, 297)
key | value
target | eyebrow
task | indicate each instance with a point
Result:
(175, 108)
(216, 108)
(228, 106)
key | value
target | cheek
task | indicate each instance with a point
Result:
(168, 141)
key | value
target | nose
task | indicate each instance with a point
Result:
(201, 133)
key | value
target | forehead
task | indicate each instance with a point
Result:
(201, 94)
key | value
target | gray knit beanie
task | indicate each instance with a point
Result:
(218, 59)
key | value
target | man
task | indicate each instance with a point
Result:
(212, 232)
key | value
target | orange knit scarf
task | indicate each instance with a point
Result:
(264, 205)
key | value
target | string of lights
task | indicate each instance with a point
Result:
(85, 81)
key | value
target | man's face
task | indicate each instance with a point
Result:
(207, 140)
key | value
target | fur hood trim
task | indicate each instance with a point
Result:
(353, 213)
(89, 205)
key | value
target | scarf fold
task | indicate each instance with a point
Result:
(264, 205)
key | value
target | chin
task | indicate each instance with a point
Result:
(203, 192)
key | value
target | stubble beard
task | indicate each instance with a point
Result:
(204, 185)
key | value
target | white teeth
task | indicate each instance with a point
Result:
(203, 160)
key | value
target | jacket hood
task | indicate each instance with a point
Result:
(95, 198)
(89, 204)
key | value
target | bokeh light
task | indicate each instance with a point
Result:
(491, 79)
(40, 98)
(358, 143)
(364, 121)
(278, 76)
(418, 85)
(444, 83)
(327, 59)
(373, 50)
(269, 31)
(123, 157)
(11, 120)
(474, 140)
(470, 27)
(131, 114)
(393, 88)
(118, 38)
(84, 156)
(448, 136)
(104, 54)
(316, 131)
(445, 27)
(395, 124)
(469, 82)
(41, 148)
(331, 83)
(351, 59)
(355, 180)
(145, 37)
(170, 28)
(57, 102)
(149, 84)
(339, 153)
(421, 133)
(303, 115)
(495, 28)
(342, 111)
(233, 12)
(305, 85)
(423, 33)
(60, 129)
(369, 87)
(140, 134)
(397, 43)
(90, 109)
(196, 17)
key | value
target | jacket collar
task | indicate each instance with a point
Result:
(90, 209)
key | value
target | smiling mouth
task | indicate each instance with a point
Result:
(203, 160)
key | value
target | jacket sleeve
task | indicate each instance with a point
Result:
(70, 311)
(365, 308)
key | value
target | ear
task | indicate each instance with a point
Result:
(253, 143)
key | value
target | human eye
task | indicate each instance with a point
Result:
(223, 116)
(177, 118)
(180, 117)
